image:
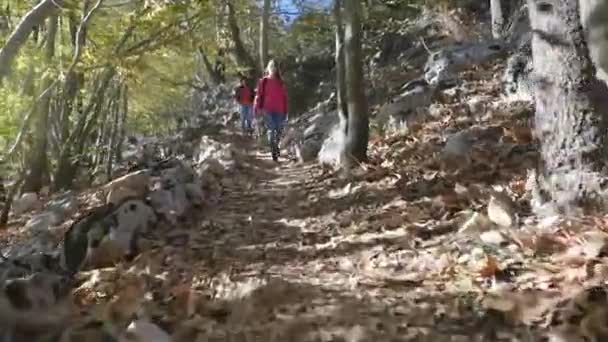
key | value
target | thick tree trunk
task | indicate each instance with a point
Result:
(498, 18)
(594, 17)
(357, 137)
(241, 54)
(37, 174)
(570, 106)
(264, 35)
(32, 19)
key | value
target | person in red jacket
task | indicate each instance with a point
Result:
(244, 97)
(271, 101)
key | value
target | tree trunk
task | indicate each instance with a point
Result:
(37, 174)
(32, 19)
(68, 160)
(264, 35)
(594, 17)
(355, 149)
(570, 107)
(124, 110)
(241, 54)
(6, 209)
(340, 64)
(112, 143)
(213, 76)
(498, 18)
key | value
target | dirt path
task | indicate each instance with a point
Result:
(286, 258)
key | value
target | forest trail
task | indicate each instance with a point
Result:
(294, 256)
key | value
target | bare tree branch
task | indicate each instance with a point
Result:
(16, 40)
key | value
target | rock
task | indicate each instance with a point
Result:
(443, 64)
(138, 181)
(331, 150)
(479, 105)
(211, 185)
(392, 44)
(120, 224)
(100, 178)
(107, 254)
(209, 148)
(172, 203)
(213, 167)
(501, 209)
(63, 206)
(292, 140)
(85, 234)
(407, 108)
(118, 195)
(227, 182)
(129, 219)
(43, 221)
(308, 150)
(27, 202)
(141, 330)
(194, 194)
(475, 223)
(307, 133)
(179, 174)
(35, 304)
(457, 151)
(493, 237)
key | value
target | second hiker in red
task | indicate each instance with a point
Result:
(244, 96)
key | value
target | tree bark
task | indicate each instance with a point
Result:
(355, 149)
(340, 64)
(6, 209)
(241, 54)
(37, 174)
(32, 19)
(594, 17)
(111, 146)
(571, 105)
(124, 110)
(498, 18)
(264, 35)
(213, 76)
(67, 164)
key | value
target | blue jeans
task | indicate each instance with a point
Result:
(274, 124)
(246, 117)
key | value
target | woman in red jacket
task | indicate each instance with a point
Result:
(271, 101)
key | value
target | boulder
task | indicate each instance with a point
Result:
(43, 221)
(27, 202)
(171, 203)
(331, 150)
(129, 219)
(118, 195)
(442, 65)
(137, 181)
(407, 108)
(120, 224)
